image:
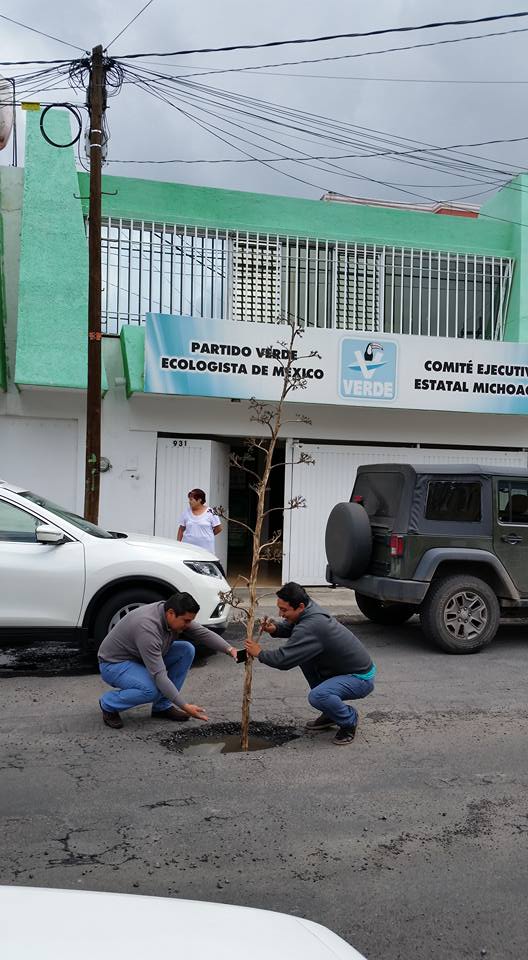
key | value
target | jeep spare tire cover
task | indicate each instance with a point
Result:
(348, 540)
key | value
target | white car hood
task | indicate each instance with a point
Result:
(66, 924)
(186, 550)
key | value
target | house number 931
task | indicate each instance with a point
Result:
(179, 443)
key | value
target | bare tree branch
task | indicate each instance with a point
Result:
(257, 444)
(276, 537)
(303, 458)
(238, 461)
(220, 512)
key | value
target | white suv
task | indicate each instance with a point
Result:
(61, 575)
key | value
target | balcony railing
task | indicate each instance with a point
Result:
(258, 278)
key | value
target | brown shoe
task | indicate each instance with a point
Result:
(171, 714)
(112, 719)
(320, 723)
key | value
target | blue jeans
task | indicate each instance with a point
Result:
(328, 695)
(135, 685)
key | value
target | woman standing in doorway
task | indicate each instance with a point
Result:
(198, 523)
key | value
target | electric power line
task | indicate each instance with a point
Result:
(336, 36)
(318, 186)
(278, 110)
(338, 76)
(342, 156)
(129, 24)
(286, 63)
(216, 131)
(354, 56)
(49, 36)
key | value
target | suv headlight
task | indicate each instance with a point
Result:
(205, 567)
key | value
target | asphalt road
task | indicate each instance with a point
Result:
(411, 843)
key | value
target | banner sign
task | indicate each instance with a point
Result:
(190, 356)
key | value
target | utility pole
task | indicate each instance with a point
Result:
(96, 107)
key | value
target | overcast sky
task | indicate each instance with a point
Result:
(437, 113)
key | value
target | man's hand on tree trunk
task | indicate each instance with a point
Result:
(252, 647)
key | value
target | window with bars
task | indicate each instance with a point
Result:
(358, 291)
(161, 268)
(155, 268)
(255, 281)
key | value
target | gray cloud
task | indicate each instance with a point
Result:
(143, 128)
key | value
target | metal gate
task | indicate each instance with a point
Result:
(330, 481)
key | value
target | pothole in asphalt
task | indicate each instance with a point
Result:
(46, 659)
(50, 659)
(222, 738)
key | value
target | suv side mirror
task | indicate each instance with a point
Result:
(47, 533)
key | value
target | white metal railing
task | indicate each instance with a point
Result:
(255, 277)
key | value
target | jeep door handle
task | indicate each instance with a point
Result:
(512, 538)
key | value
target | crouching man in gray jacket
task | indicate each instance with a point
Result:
(146, 658)
(335, 663)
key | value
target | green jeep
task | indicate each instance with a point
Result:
(446, 541)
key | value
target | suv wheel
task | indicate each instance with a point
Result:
(117, 607)
(460, 614)
(389, 614)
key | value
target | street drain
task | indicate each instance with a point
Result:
(218, 738)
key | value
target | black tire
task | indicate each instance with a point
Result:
(388, 614)
(348, 540)
(123, 599)
(460, 614)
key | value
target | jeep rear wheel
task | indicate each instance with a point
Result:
(388, 614)
(460, 614)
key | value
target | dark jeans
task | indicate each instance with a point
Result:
(328, 695)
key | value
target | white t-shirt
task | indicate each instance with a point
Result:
(199, 528)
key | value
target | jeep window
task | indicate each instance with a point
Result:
(513, 503)
(453, 500)
(379, 493)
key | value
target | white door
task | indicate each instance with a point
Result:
(41, 585)
(330, 481)
(181, 464)
(219, 493)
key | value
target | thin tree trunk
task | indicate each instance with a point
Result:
(274, 422)
(253, 579)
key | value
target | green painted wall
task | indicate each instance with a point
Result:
(238, 210)
(511, 205)
(52, 311)
(3, 309)
(133, 353)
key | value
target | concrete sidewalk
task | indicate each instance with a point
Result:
(338, 601)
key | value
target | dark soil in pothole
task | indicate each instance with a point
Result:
(221, 738)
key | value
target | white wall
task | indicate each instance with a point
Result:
(127, 489)
(41, 455)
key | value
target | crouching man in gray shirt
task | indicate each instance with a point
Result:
(335, 663)
(146, 658)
